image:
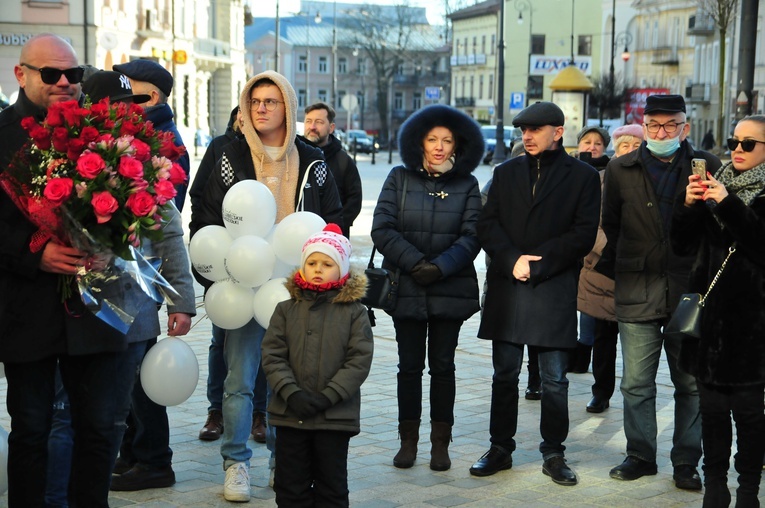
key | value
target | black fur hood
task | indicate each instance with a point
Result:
(467, 133)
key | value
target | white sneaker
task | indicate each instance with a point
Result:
(237, 484)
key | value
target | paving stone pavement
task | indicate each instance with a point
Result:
(595, 444)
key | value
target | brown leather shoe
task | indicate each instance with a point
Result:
(258, 427)
(213, 428)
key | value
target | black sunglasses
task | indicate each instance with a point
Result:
(51, 76)
(747, 145)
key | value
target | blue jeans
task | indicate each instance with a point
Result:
(242, 355)
(60, 444)
(553, 425)
(216, 374)
(641, 351)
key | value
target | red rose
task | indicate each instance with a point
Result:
(130, 168)
(104, 205)
(109, 124)
(60, 139)
(148, 129)
(165, 191)
(100, 110)
(76, 146)
(89, 165)
(73, 113)
(54, 117)
(177, 174)
(142, 150)
(141, 204)
(41, 137)
(58, 190)
(88, 134)
(135, 109)
(29, 123)
(130, 128)
(168, 147)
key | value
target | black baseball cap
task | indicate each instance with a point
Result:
(111, 84)
(149, 71)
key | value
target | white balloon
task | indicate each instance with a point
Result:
(2, 370)
(292, 232)
(228, 304)
(3, 461)
(266, 298)
(170, 372)
(281, 269)
(207, 250)
(250, 260)
(249, 208)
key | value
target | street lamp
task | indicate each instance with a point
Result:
(626, 39)
(317, 20)
(521, 6)
(334, 54)
(499, 146)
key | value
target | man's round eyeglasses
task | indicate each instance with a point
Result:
(270, 104)
(669, 127)
(747, 145)
(51, 76)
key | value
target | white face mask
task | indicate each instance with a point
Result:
(663, 148)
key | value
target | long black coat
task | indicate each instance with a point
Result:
(560, 224)
(438, 229)
(731, 351)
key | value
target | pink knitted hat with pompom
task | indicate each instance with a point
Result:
(331, 242)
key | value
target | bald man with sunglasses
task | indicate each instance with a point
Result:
(38, 331)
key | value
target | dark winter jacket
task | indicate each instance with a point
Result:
(731, 351)
(162, 117)
(320, 342)
(559, 223)
(438, 220)
(346, 177)
(211, 156)
(649, 277)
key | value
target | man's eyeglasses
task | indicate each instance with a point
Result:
(270, 104)
(51, 76)
(747, 145)
(669, 127)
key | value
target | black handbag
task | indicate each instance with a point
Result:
(686, 320)
(382, 288)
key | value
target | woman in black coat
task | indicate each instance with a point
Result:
(424, 225)
(729, 358)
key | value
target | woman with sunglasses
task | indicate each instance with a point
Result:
(721, 215)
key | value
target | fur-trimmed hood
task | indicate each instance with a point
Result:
(353, 291)
(467, 133)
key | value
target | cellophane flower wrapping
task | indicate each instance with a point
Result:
(99, 178)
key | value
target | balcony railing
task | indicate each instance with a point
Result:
(664, 56)
(701, 24)
(464, 102)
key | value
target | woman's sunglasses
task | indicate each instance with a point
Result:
(747, 145)
(51, 76)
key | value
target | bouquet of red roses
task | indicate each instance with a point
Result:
(98, 178)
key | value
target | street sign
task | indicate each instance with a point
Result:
(432, 93)
(517, 100)
(491, 110)
(349, 102)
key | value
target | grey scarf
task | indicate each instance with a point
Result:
(747, 185)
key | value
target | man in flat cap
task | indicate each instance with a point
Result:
(145, 460)
(540, 219)
(150, 78)
(640, 188)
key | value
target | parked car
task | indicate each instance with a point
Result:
(512, 136)
(364, 143)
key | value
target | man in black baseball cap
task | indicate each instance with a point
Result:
(145, 460)
(113, 85)
(540, 219)
(640, 190)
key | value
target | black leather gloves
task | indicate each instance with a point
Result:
(425, 273)
(307, 404)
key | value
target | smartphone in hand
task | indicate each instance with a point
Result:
(699, 167)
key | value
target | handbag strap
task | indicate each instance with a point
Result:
(731, 250)
(400, 213)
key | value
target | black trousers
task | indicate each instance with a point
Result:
(311, 468)
(604, 358)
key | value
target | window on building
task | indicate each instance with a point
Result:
(398, 101)
(584, 48)
(472, 81)
(301, 98)
(302, 64)
(493, 43)
(322, 95)
(480, 86)
(340, 95)
(418, 68)
(342, 65)
(360, 98)
(483, 44)
(465, 47)
(475, 44)
(362, 66)
(538, 44)
(400, 68)
(464, 80)
(536, 87)
(416, 101)
(491, 86)
(323, 67)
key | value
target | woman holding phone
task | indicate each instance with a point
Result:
(729, 358)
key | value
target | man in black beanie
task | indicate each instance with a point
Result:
(539, 221)
(639, 191)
